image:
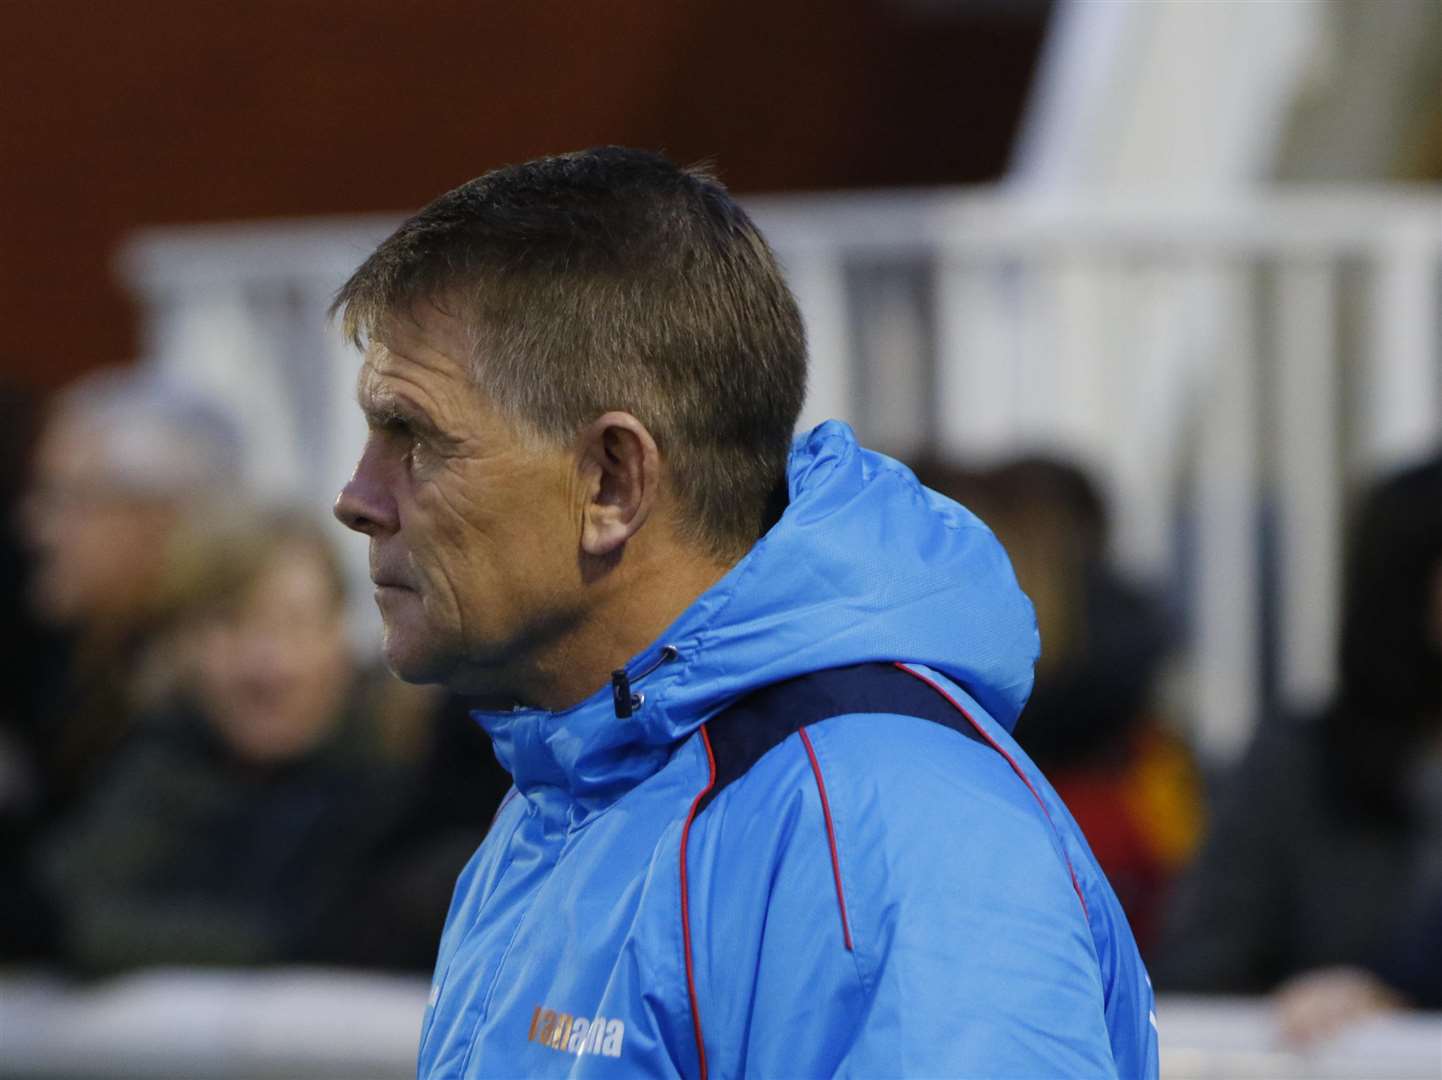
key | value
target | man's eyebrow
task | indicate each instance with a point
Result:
(384, 406)
(375, 405)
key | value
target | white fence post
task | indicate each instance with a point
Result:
(1402, 400)
(817, 280)
(1227, 636)
(1309, 481)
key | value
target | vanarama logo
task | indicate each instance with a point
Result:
(576, 1034)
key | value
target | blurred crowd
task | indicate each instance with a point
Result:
(1312, 869)
(196, 767)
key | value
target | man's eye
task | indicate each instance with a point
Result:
(400, 430)
(409, 439)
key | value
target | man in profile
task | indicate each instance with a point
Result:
(755, 695)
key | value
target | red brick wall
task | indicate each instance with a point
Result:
(119, 114)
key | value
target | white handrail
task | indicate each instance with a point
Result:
(1200, 355)
(198, 1024)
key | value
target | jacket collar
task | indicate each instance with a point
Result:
(864, 565)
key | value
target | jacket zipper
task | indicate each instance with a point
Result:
(625, 702)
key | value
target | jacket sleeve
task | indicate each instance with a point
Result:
(943, 939)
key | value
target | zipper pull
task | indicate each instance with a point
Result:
(621, 696)
(625, 702)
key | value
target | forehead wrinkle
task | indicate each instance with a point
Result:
(438, 342)
(382, 394)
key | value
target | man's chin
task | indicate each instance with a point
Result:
(478, 687)
(439, 667)
(413, 665)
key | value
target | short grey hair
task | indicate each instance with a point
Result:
(612, 279)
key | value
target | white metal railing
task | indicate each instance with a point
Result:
(212, 1024)
(199, 1024)
(1219, 365)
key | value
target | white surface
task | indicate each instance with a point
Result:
(224, 1025)
(1192, 94)
(1235, 1038)
(201, 1024)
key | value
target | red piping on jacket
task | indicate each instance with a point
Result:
(685, 899)
(986, 735)
(830, 835)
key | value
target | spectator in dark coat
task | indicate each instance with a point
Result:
(235, 827)
(120, 457)
(1328, 844)
(396, 917)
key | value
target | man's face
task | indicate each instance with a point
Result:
(474, 530)
(96, 546)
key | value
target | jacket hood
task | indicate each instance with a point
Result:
(864, 565)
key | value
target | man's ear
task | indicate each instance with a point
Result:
(621, 471)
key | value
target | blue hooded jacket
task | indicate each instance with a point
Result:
(875, 895)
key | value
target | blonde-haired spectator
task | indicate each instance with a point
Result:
(234, 828)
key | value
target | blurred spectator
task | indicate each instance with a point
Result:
(20, 408)
(1410, 967)
(22, 640)
(27, 652)
(1091, 723)
(398, 912)
(1326, 858)
(118, 459)
(235, 824)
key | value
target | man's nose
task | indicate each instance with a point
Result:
(365, 504)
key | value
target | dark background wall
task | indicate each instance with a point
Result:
(120, 114)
